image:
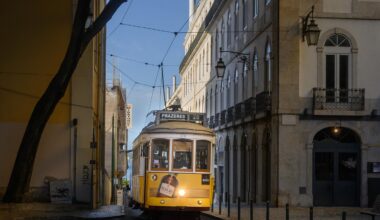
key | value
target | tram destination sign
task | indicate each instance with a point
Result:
(180, 116)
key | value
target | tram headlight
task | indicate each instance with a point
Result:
(181, 192)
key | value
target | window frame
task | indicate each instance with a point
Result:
(192, 156)
(151, 155)
(208, 156)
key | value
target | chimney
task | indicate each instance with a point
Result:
(168, 93)
(174, 84)
(191, 10)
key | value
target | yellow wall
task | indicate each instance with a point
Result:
(34, 38)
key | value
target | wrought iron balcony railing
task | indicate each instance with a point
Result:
(249, 106)
(223, 117)
(338, 99)
(238, 111)
(216, 120)
(263, 101)
(230, 114)
(211, 123)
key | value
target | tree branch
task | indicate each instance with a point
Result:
(100, 21)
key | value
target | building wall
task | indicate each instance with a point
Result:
(33, 48)
(300, 71)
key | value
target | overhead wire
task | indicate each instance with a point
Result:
(122, 19)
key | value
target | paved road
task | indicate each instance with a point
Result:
(136, 214)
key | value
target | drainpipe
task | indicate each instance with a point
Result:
(113, 162)
(75, 145)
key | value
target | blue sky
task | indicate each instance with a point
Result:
(131, 47)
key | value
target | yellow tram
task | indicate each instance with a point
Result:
(172, 167)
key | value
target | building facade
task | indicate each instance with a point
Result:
(72, 145)
(295, 123)
(116, 134)
(195, 68)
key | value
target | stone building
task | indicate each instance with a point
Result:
(295, 122)
(116, 133)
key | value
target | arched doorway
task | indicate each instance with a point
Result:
(336, 167)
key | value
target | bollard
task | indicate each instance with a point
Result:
(267, 207)
(238, 208)
(220, 204)
(228, 205)
(251, 210)
(311, 217)
(343, 215)
(212, 205)
(287, 211)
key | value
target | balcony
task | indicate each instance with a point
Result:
(238, 111)
(249, 107)
(211, 123)
(223, 117)
(216, 120)
(338, 99)
(263, 102)
(230, 114)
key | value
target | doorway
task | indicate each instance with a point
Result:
(336, 167)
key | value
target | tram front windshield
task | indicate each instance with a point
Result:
(182, 154)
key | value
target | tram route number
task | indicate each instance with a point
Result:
(167, 189)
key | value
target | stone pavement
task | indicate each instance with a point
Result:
(34, 211)
(295, 213)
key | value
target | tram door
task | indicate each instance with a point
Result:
(336, 173)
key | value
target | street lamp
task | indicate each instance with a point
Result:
(311, 30)
(221, 67)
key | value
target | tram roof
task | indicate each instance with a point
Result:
(177, 127)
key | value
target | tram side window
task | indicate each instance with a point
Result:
(136, 157)
(203, 155)
(182, 154)
(160, 154)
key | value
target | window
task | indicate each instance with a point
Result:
(229, 28)
(202, 160)
(182, 154)
(228, 90)
(222, 34)
(245, 80)
(268, 68)
(337, 68)
(236, 80)
(245, 8)
(216, 98)
(216, 45)
(160, 154)
(255, 77)
(255, 8)
(236, 28)
(221, 96)
(211, 100)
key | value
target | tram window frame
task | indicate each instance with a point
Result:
(154, 150)
(183, 152)
(208, 156)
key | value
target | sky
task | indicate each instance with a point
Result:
(136, 52)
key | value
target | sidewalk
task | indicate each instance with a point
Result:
(18, 211)
(295, 213)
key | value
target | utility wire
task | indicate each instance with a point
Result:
(190, 32)
(122, 19)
